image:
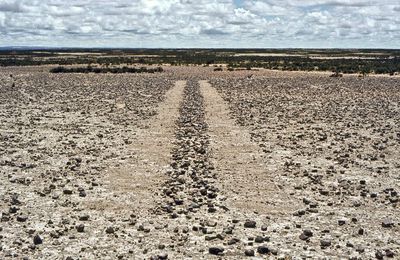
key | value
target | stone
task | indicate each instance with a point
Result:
(387, 223)
(250, 224)
(264, 228)
(80, 228)
(84, 217)
(263, 250)
(110, 230)
(37, 240)
(67, 191)
(389, 253)
(303, 237)
(379, 255)
(249, 252)
(163, 256)
(325, 243)
(216, 250)
(233, 241)
(308, 232)
(13, 209)
(22, 218)
(259, 239)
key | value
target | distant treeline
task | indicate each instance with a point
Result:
(90, 69)
(369, 61)
(362, 66)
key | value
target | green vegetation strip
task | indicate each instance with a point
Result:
(90, 69)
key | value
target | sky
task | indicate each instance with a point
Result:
(201, 23)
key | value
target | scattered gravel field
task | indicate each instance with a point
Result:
(196, 164)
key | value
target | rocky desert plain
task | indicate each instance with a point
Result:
(193, 163)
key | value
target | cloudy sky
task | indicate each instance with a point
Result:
(201, 23)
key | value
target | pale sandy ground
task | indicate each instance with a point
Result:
(243, 174)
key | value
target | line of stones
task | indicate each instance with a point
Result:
(189, 187)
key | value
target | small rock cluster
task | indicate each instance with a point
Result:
(190, 185)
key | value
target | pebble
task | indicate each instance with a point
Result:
(84, 217)
(233, 241)
(250, 224)
(163, 256)
(67, 191)
(249, 252)
(215, 250)
(80, 228)
(259, 239)
(306, 234)
(387, 223)
(264, 228)
(22, 218)
(37, 240)
(110, 230)
(325, 243)
(263, 250)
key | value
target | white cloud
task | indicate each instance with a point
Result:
(201, 23)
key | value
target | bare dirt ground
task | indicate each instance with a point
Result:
(196, 164)
(137, 181)
(243, 175)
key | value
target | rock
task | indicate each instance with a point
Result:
(13, 209)
(389, 253)
(110, 230)
(264, 228)
(209, 238)
(67, 191)
(324, 192)
(22, 218)
(37, 240)
(303, 237)
(84, 217)
(249, 252)
(250, 224)
(387, 223)
(306, 234)
(163, 256)
(216, 250)
(233, 241)
(325, 243)
(80, 228)
(5, 217)
(259, 239)
(299, 213)
(379, 255)
(263, 250)
(274, 251)
(211, 223)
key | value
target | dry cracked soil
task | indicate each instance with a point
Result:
(197, 164)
